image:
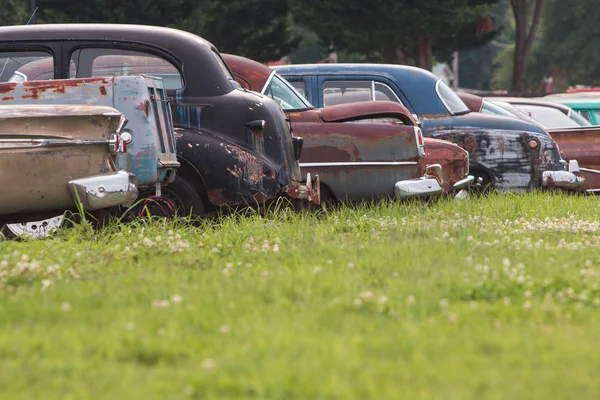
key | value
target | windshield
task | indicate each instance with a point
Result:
(450, 99)
(284, 94)
(491, 108)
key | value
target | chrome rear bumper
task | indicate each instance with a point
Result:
(103, 191)
(570, 180)
(429, 185)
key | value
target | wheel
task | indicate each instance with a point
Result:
(328, 200)
(483, 182)
(33, 229)
(185, 197)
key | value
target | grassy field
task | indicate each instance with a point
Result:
(487, 298)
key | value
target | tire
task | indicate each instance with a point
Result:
(185, 197)
(486, 182)
(33, 229)
(328, 200)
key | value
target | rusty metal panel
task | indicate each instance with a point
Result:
(453, 159)
(581, 144)
(129, 94)
(35, 175)
(359, 160)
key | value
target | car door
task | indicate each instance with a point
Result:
(357, 158)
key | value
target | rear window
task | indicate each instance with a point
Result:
(115, 62)
(20, 66)
(450, 99)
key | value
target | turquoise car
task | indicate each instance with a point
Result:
(589, 107)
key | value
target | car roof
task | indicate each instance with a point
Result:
(135, 33)
(185, 47)
(574, 102)
(417, 84)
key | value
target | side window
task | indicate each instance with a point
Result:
(384, 93)
(300, 87)
(341, 92)
(586, 114)
(20, 66)
(96, 62)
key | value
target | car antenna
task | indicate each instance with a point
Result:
(32, 15)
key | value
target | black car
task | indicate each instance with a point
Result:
(235, 146)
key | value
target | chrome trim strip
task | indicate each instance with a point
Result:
(27, 143)
(358, 164)
(373, 98)
(594, 171)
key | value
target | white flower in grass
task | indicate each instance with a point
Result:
(224, 329)
(527, 305)
(350, 265)
(410, 300)
(208, 364)
(65, 306)
(317, 270)
(444, 303)
(176, 299)
(157, 304)
(46, 284)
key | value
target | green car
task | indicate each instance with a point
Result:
(589, 107)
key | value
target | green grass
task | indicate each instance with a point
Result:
(494, 298)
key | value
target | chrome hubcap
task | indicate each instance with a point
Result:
(36, 229)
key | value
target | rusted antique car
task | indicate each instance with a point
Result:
(352, 146)
(235, 147)
(61, 157)
(505, 153)
(148, 132)
(576, 142)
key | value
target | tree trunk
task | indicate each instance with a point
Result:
(423, 54)
(523, 40)
(393, 55)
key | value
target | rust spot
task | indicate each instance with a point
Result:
(102, 90)
(7, 98)
(260, 197)
(217, 197)
(144, 106)
(7, 87)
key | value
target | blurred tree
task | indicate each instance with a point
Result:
(570, 41)
(525, 32)
(254, 28)
(14, 12)
(398, 31)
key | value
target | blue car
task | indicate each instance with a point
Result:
(505, 153)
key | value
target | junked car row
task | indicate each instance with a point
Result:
(111, 120)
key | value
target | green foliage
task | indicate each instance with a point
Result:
(489, 298)
(14, 12)
(254, 28)
(380, 29)
(570, 41)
